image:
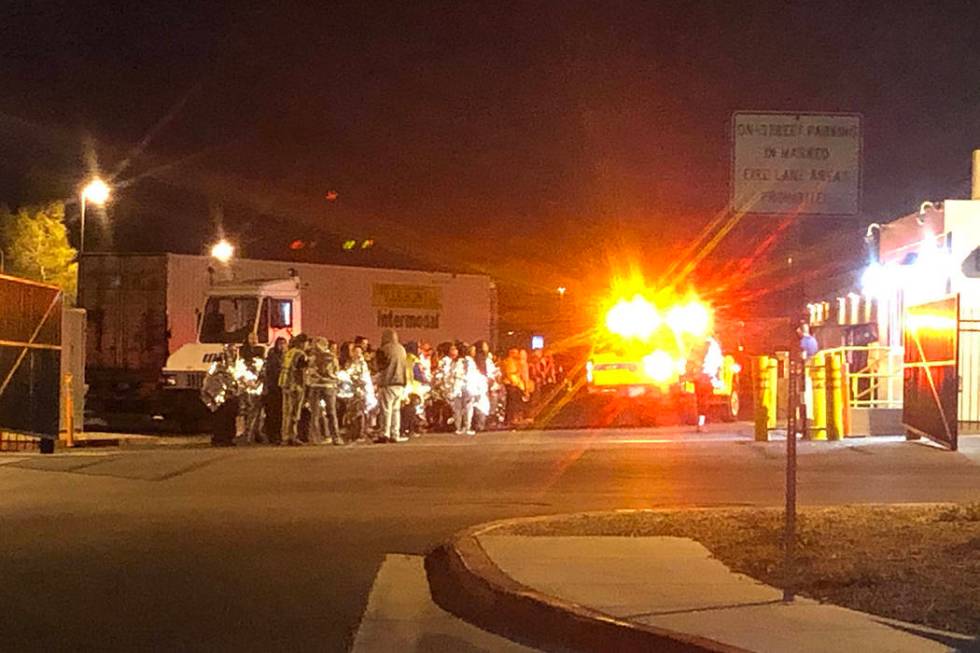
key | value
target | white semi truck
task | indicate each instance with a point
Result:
(157, 322)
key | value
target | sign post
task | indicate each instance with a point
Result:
(792, 413)
(795, 165)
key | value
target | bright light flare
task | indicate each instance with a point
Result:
(931, 322)
(659, 366)
(223, 251)
(634, 318)
(96, 192)
(875, 281)
(692, 318)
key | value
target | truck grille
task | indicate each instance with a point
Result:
(193, 380)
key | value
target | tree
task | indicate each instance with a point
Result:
(35, 245)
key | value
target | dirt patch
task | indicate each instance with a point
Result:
(915, 563)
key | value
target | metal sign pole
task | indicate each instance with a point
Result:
(793, 405)
(795, 423)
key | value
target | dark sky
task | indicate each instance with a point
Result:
(529, 140)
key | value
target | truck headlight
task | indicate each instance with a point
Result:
(659, 366)
(169, 380)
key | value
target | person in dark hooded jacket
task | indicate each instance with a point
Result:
(391, 364)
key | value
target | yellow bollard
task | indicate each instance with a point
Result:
(760, 377)
(816, 370)
(835, 397)
(69, 413)
(846, 395)
(772, 397)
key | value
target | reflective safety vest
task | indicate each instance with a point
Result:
(293, 364)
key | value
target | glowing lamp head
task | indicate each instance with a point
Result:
(634, 318)
(659, 366)
(875, 281)
(222, 251)
(96, 192)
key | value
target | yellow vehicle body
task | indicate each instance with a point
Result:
(615, 375)
(645, 352)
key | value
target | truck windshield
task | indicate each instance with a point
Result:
(228, 319)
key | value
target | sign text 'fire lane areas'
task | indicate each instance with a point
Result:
(796, 163)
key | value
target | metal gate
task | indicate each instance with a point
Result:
(931, 370)
(969, 409)
(30, 363)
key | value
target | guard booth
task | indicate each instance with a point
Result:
(30, 364)
(927, 284)
(909, 333)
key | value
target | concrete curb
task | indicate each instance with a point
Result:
(465, 582)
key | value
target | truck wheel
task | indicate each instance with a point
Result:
(729, 410)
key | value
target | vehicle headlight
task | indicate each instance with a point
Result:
(659, 366)
(169, 379)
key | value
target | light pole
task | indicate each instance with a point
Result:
(97, 192)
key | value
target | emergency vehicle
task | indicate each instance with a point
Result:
(655, 356)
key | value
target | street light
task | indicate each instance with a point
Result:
(97, 192)
(222, 251)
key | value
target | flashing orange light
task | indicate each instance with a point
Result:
(659, 366)
(692, 318)
(634, 318)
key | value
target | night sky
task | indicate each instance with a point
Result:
(532, 141)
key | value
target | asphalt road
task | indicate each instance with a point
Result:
(276, 549)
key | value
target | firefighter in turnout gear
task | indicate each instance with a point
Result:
(292, 382)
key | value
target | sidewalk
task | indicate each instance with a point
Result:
(666, 587)
(400, 616)
(94, 439)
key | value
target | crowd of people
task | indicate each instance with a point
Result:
(315, 390)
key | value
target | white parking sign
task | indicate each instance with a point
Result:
(796, 163)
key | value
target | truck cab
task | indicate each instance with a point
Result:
(269, 308)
